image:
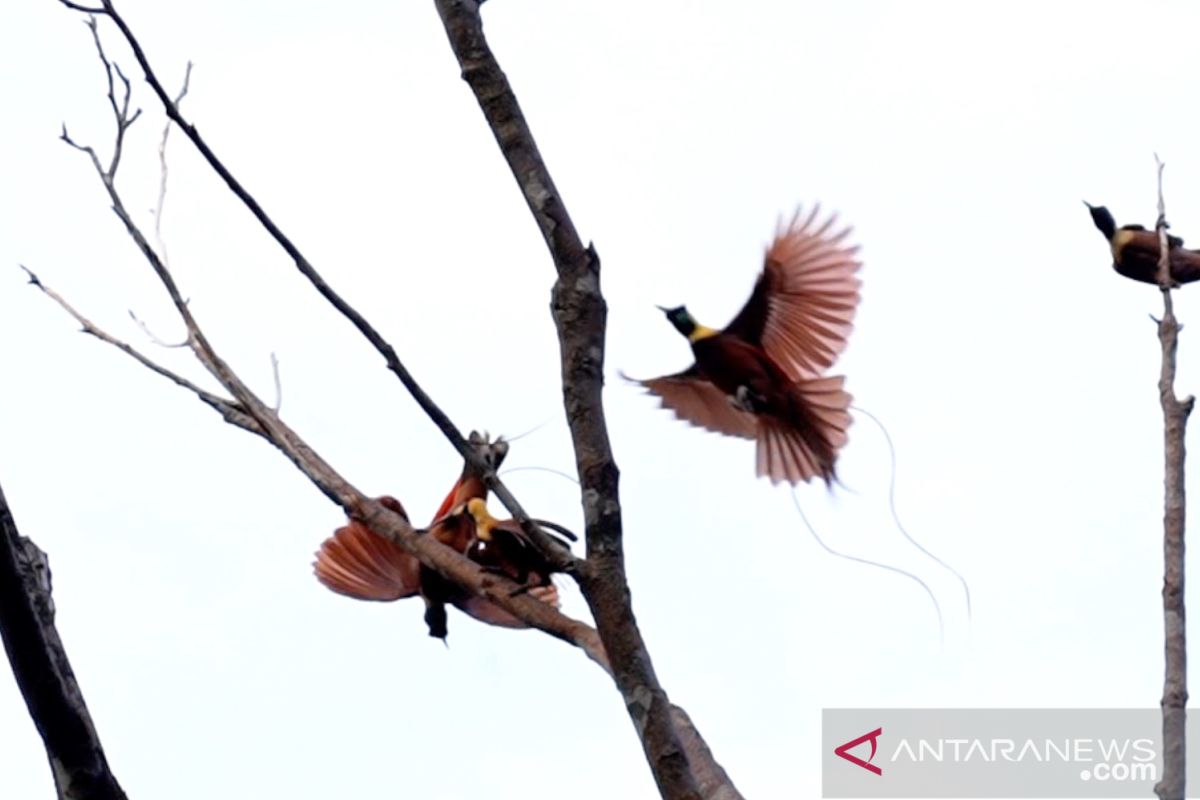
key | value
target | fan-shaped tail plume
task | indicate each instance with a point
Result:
(359, 563)
(896, 516)
(803, 441)
(937, 607)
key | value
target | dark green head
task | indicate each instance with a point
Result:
(681, 319)
(1103, 219)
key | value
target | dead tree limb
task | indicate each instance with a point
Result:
(252, 413)
(553, 554)
(577, 305)
(1175, 417)
(43, 671)
(580, 316)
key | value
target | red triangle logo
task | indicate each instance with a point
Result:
(843, 751)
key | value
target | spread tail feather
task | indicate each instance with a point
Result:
(359, 563)
(804, 444)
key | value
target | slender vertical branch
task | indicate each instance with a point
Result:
(1175, 416)
(682, 765)
(43, 672)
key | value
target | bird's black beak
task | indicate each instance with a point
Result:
(663, 309)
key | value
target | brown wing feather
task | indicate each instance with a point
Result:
(696, 400)
(802, 308)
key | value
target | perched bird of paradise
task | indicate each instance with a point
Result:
(359, 563)
(503, 546)
(1135, 250)
(762, 376)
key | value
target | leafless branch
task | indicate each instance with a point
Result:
(43, 671)
(1175, 416)
(162, 162)
(682, 766)
(561, 560)
(228, 410)
(278, 384)
(446, 561)
(150, 334)
(668, 736)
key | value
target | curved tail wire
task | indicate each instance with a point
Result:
(557, 472)
(936, 605)
(896, 516)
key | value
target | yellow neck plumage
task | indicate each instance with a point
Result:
(701, 332)
(484, 521)
(1119, 240)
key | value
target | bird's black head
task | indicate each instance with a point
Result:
(681, 319)
(1103, 219)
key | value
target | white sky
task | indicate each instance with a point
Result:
(1015, 371)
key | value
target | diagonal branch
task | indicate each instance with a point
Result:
(577, 304)
(43, 672)
(257, 416)
(432, 553)
(228, 410)
(580, 316)
(1175, 417)
(549, 548)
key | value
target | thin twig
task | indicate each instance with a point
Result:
(561, 560)
(278, 384)
(1175, 416)
(448, 562)
(151, 335)
(162, 163)
(226, 408)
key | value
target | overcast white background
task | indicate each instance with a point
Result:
(1015, 371)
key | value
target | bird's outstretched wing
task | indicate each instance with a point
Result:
(802, 308)
(694, 399)
(359, 563)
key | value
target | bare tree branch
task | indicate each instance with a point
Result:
(579, 307)
(162, 166)
(229, 410)
(580, 316)
(554, 554)
(1175, 416)
(433, 554)
(278, 384)
(43, 671)
(254, 414)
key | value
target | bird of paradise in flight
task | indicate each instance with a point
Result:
(763, 376)
(359, 563)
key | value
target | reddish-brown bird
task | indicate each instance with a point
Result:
(762, 377)
(503, 546)
(1135, 250)
(359, 563)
